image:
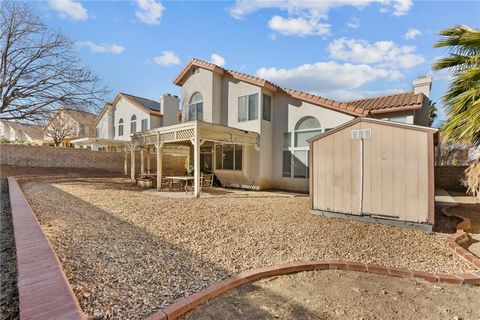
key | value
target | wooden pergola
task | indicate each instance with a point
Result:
(194, 132)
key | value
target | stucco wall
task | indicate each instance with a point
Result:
(202, 81)
(286, 113)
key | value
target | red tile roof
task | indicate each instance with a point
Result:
(403, 101)
(394, 102)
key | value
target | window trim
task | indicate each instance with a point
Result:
(247, 96)
(120, 127)
(195, 105)
(263, 107)
(235, 146)
(292, 148)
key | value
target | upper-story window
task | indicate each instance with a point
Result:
(81, 129)
(120, 127)
(133, 124)
(195, 107)
(266, 107)
(144, 124)
(248, 107)
(97, 132)
(306, 128)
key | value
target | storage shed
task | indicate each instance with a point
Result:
(374, 170)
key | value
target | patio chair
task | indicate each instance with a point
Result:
(206, 180)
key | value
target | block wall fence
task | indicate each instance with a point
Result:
(47, 156)
(449, 177)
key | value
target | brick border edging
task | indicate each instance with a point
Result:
(454, 240)
(43, 289)
(189, 303)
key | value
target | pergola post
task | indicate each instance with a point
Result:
(125, 164)
(148, 160)
(142, 162)
(132, 165)
(159, 147)
(196, 161)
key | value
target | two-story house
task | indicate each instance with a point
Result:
(253, 133)
(128, 114)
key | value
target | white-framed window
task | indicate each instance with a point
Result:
(144, 124)
(248, 107)
(81, 129)
(402, 119)
(133, 124)
(120, 127)
(228, 157)
(296, 148)
(266, 107)
(97, 132)
(195, 107)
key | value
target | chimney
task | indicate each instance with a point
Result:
(169, 109)
(111, 121)
(422, 84)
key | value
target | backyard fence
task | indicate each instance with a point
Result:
(54, 157)
(449, 177)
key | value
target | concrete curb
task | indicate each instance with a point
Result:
(189, 303)
(454, 240)
(43, 289)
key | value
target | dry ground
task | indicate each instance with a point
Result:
(335, 294)
(128, 253)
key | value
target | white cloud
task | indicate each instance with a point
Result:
(298, 26)
(149, 11)
(326, 78)
(412, 33)
(69, 9)
(100, 47)
(353, 23)
(217, 59)
(167, 58)
(381, 53)
(306, 17)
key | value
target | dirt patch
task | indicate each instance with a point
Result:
(8, 260)
(335, 294)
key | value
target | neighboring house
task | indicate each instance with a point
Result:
(128, 114)
(17, 132)
(253, 133)
(76, 122)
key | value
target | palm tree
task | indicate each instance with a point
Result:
(462, 100)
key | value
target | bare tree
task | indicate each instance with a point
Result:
(39, 70)
(59, 128)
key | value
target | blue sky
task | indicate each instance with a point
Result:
(339, 49)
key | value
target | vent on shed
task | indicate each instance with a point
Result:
(361, 134)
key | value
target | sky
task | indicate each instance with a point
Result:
(343, 50)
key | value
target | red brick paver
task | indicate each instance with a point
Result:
(43, 289)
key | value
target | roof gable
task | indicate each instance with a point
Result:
(34, 131)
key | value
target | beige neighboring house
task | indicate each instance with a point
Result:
(253, 133)
(128, 114)
(79, 122)
(17, 132)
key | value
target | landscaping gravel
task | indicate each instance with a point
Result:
(128, 253)
(8, 260)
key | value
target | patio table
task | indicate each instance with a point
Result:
(183, 179)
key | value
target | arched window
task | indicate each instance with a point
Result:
(306, 128)
(195, 107)
(133, 124)
(120, 127)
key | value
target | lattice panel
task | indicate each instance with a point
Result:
(169, 136)
(215, 135)
(185, 134)
(244, 139)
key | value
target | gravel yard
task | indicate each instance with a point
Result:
(128, 253)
